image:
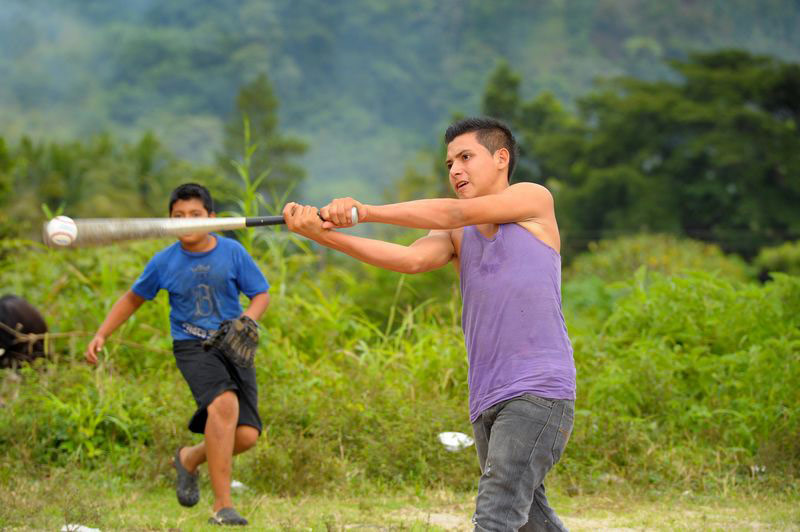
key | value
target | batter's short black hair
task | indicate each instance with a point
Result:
(192, 190)
(490, 132)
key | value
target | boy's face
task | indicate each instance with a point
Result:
(472, 169)
(190, 208)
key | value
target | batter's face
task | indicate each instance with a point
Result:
(191, 208)
(473, 171)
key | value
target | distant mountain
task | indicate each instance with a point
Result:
(366, 83)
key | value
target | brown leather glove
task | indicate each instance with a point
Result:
(237, 339)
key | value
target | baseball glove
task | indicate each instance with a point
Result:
(236, 339)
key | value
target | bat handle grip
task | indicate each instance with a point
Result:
(353, 215)
(258, 221)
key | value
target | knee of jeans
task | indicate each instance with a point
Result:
(478, 527)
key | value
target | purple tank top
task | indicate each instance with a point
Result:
(514, 330)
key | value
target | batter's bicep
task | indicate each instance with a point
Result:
(518, 203)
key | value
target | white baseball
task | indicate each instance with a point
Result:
(62, 231)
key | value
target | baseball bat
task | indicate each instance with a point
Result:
(102, 231)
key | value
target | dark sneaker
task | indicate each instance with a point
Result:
(186, 483)
(227, 516)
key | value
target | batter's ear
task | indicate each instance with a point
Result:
(502, 158)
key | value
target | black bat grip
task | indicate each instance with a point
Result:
(257, 221)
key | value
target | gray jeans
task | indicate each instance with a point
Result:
(518, 441)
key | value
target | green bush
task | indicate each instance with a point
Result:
(784, 258)
(618, 259)
(683, 380)
(346, 399)
(691, 379)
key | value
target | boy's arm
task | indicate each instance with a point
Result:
(517, 203)
(258, 305)
(428, 253)
(123, 309)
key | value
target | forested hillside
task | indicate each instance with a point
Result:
(364, 83)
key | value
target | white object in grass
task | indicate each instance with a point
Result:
(455, 441)
(78, 528)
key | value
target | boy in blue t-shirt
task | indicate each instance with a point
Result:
(203, 274)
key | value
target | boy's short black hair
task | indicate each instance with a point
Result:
(491, 133)
(192, 190)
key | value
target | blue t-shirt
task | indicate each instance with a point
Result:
(203, 286)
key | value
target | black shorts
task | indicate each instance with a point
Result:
(208, 377)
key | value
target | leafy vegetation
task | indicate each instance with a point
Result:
(619, 258)
(710, 155)
(676, 376)
(95, 178)
(270, 152)
(365, 83)
(103, 177)
(687, 367)
(784, 258)
(362, 367)
(680, 385)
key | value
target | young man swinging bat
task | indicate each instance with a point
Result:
(504, 242)
(204, 274)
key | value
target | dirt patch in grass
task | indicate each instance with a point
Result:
(455, 521)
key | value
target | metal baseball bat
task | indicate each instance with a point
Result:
(102, 231)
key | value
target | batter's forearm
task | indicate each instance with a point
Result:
(519, 202)
(378, 253)
(439, 213)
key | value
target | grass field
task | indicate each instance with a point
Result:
(98, 501)
(686, 415)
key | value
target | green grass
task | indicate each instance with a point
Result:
(678, 412)
(101, 500)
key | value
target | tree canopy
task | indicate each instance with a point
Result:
(714, 154)
(257, 107)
